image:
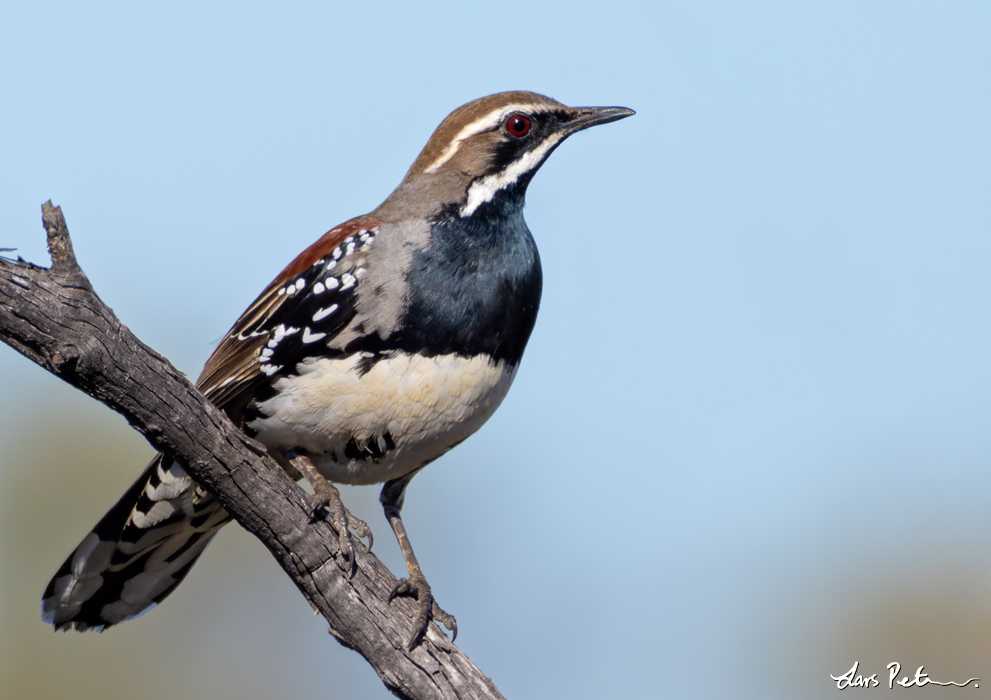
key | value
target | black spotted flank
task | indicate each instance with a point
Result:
(373, 448)
(368, 360)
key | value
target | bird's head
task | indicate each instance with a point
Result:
(488, 150)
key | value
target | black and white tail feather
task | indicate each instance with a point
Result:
(137, 554)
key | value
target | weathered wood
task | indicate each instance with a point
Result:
(54, 317)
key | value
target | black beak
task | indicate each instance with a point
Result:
(585, 117)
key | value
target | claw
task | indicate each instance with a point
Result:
(327, 500)
(361, 529)
(426, 608)
(321, 501)
(447, 620)
(343, 523)
(402, 588)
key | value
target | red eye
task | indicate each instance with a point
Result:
(518, 125)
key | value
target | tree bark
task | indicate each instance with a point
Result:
(54, 317)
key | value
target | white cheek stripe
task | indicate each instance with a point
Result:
(489, 121)
(483, 190)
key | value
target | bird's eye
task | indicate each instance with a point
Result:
(518, 125)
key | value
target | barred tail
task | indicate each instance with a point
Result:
(137, 554)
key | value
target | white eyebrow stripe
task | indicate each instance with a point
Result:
(489, 121)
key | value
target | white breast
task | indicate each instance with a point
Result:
(411, 408)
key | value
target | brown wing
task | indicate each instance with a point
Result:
(271, 336)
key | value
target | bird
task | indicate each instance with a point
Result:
(379, 348)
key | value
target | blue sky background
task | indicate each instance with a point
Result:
(749, 443)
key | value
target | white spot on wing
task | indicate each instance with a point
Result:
(281, 332)
(309, 337)
(324, 313)
(254, 334)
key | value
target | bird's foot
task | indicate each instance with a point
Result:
(327, 499)
(426, 608)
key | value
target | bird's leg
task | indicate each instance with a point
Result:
(416, 586)
(326, 495)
